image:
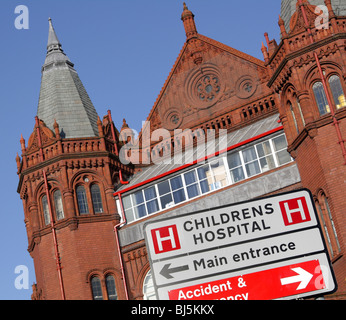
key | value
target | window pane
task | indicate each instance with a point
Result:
(252, 168)
(148, 287)
(150, 193)
(283, 157)
(96, 288)
(176, 183)
(127, 202)
(45, 208)
(137, 197)
(140, 211)
(129, 215)
(332, 222)
(192, 191)
(166, 201)
(152, 206)
(267, 163)
(325, 228)
(338, 93)
(206, 173)
(204, 186)
(203, 172)
(82, 201)
(96, 198)
(111, 290)
(237, 174)
(219, 174)
(280, 143)
(321, 98)
(234, 160)
(59, 210)
(190, 177)
(179, 196)
(164, 187)
(263, 149)
(249, 154)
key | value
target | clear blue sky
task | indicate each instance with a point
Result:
(123, 50)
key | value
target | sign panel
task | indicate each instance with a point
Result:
(268, 238)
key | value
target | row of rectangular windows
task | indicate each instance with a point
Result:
(216, 174)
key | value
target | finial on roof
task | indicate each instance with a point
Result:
(18, 161)
(331, 12)
(22, 143)
(282, 27)
(52, 37)
(265, 53)
(125, 125)
(189, 23)
(55, 52)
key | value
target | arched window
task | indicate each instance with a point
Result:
(321, 98)
(82, 200)
(148, 287)
(96, 288)
(326, 218)
(324, 225)
(96, 198)
(111, 289)
(45, 208)
(327, 208)
(293, 116)
(59, 209)
(338, 93)
(300, 111)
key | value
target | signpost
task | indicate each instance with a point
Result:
(268, 248)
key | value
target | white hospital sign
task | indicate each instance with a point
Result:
(268, 248)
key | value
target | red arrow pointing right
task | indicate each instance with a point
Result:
(262, 285)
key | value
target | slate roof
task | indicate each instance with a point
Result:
(63, 96)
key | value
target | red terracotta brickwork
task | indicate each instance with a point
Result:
(211, 86)
(316, 141)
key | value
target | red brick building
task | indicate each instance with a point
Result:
(279, 125)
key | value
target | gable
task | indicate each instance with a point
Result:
(207, 80)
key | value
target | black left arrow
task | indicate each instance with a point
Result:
(167, 271)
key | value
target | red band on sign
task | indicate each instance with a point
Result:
(263, 285)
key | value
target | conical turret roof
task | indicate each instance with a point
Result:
(62, 95)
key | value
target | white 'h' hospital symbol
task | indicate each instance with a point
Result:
(289, 211)
(161, 239)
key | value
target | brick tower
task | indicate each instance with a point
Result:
(308, 71)
(67, 173)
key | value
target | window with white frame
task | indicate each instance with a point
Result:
(259, 158)
(215, 174)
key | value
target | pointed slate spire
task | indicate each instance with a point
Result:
(55, 52)
(63, 98)
(52, 37)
